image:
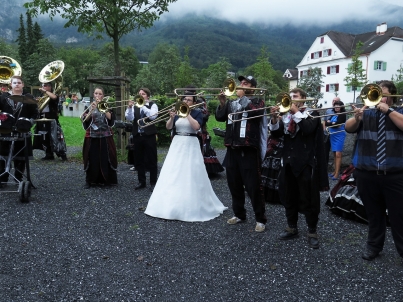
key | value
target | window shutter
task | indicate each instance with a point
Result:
(375, 64)
(337, 68)
(328, 70)
(329, 51)
(311, 55)
(336, 86)
(327, 87)
(300, 74)
(348, 88)
(384, 66)
(320, 54)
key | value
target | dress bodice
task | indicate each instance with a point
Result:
(183, 125)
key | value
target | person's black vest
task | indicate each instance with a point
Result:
(149, 130)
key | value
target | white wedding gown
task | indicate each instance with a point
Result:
(183, 190)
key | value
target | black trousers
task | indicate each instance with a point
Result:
(378, 193)
(243, 167)
(300, 194)
(145, 148)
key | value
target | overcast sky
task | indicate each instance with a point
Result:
(297, 12)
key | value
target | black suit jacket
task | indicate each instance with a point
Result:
(149, 130)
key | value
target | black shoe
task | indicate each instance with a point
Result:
(313, 240)
(87, 185)
(48, 157)
(289, 233)
(140, 186)
(64, 157)
(369, 254)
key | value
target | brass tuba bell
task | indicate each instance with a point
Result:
(51, 72)
(8, 68)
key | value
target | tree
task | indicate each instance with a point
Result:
(37, 33)
(31, 42)
(312, 82)
(356, 76)
(186, 73)
(215, 75)
(115, 18)
(398, 80)
(264, 73)
(79, 64)
(22, 41)
(44, 54)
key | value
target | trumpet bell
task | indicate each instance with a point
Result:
(8, 68)
(139, 101)
(182, 109)
(229, 87)
(284, 101)
(371, 95)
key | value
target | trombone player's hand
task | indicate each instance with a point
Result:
(274, 110)
(358, 112)
(222, 98)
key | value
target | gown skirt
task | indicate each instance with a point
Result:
(183, 190)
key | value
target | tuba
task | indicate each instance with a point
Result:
(8, 68)
(49, 73)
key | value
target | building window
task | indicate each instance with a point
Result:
(322, 39)
(380, 65)
(327, 52)
(333, 69)
(303, 73)
(332, 87)
(316, 55)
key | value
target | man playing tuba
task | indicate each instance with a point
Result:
(51, 140)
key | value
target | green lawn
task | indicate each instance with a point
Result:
(74, 132)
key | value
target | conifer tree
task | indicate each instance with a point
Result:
(31, 42)
(37, 33)
(22, 41)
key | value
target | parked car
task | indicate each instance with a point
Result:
(86, 99)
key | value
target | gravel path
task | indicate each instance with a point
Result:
(71, 244)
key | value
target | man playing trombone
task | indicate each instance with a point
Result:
(379, 168)
(246, 147)
(144, 139)
(303, 166)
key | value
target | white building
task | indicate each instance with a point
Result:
(382, 55)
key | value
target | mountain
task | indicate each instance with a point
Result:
(208, 39)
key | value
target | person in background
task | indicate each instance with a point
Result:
(378, 170)
(129, 116)
(145, 140)
(246, 146)
(329, 112)
(335, 125)
(303, 174)
(99, 150)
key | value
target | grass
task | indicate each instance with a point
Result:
(74, 135)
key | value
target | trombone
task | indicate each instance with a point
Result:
(182, 110)
(283, 101)
(339, 125)
(102, 107)
(371, 95)
(229, 89)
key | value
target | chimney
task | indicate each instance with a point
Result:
(383, 28)
(377, 29)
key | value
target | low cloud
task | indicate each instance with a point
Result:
(295, 12)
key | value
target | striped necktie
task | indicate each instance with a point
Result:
(381, 144)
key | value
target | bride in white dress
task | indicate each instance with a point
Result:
(183, 190)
